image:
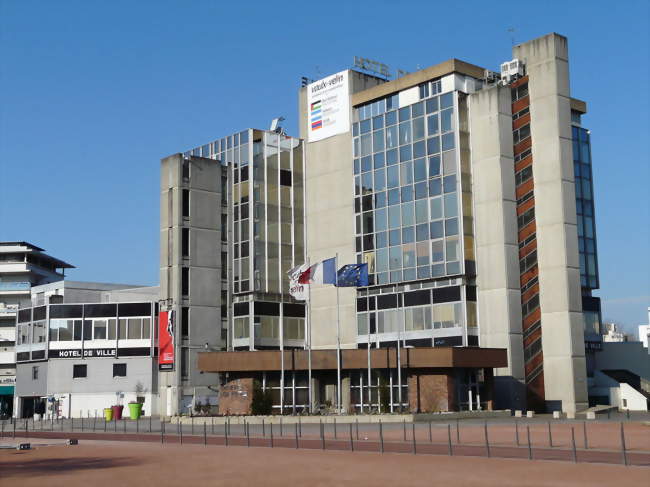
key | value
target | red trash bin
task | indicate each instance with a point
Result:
(117, 412)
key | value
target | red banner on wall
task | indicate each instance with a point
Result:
(166, 340)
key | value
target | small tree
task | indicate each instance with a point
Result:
(262, 401)
(198, 407)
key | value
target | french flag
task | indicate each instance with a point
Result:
(322, 273)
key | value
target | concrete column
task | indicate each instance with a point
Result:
(345, 394)
(547, 65)
(497, 251)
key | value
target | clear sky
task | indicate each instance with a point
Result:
(93, 94)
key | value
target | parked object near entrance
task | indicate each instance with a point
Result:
(108, 414)
(117, 411)
(135, 410)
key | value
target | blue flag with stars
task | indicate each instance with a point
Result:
(352, 275)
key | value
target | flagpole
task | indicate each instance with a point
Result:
(281, 359)
(369, 375)
(338, 336)
(399, 361)
(311, 393)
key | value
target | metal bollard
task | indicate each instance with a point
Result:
(162, 431)
(357, 427)
(212, 424)
(573, 445)
(299, 427)
(623, 445)
(322, 434)
(225, 434)
(192, 427)
(414, 446)
(487, 441)
(180, 428)
(335, 428)
(137, 425)
(584, 432)
(263, 428)
(82, 423)
(550, 435)
(271, 433)
(457, 431)
(280, 425)
(451, 452)
(296, 431)
(517, 432)
(430, 435)
(530, 450)
(205, 434)
(351, 441)
(248, 440)
(381, 437)
(404, 428)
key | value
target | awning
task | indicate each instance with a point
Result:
(424, 357)
(6, 390)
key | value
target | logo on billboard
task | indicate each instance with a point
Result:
(328, 102)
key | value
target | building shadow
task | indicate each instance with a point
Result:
(22, 466)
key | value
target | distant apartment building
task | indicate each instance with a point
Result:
(83, 346)
(22, 266)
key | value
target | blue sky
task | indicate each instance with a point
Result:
(93, 94)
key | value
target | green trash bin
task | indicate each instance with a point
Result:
(108, 414)
(135, 410)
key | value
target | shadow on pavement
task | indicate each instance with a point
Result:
(20, 465)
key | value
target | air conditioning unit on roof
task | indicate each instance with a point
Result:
(511, 70)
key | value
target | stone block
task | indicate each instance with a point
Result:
(530, 414)
(557, 415)
(591, 415)
(517, 414)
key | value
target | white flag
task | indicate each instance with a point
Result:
(297, 290)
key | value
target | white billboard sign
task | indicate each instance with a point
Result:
(328, 107)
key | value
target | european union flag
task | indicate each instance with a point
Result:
(352, 275)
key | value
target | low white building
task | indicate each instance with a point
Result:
(83, 347)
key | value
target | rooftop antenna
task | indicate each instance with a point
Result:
(511, 30)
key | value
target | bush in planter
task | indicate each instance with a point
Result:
(198, 407)
(262, 402)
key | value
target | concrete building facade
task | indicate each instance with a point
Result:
(469, 196)
(82, 347)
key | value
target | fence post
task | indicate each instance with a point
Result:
(296, 432)
(26, 425)
(212, 424)
(335, 428)
(94, 421)
(584, 430)
(451, 452)
(124, 425)
(180, 428)
(414, 443)
(457, 431)
(299, 427)
(225, 432)
(71, 424)
(14, 429)
(430, 434)
(357, 427)
(487, 441)
(381, 436)
(623, 444)
(149, 422)
(404, 428)
(280, 425)
(205, 433)
(162, 431)
(271, 431)
(248, 439)
(351, 441)
(550, 435)
(105, 425)
(263, 428)
(573, 445)
(82, 423)
(137, 425)
(530, 450)
(192, 426)
(322, 434)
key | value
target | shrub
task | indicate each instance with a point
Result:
(262, 402)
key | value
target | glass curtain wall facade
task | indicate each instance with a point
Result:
(266, 235)
(413, 223)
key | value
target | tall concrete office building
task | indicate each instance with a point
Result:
(231, 228)
(468, 193)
